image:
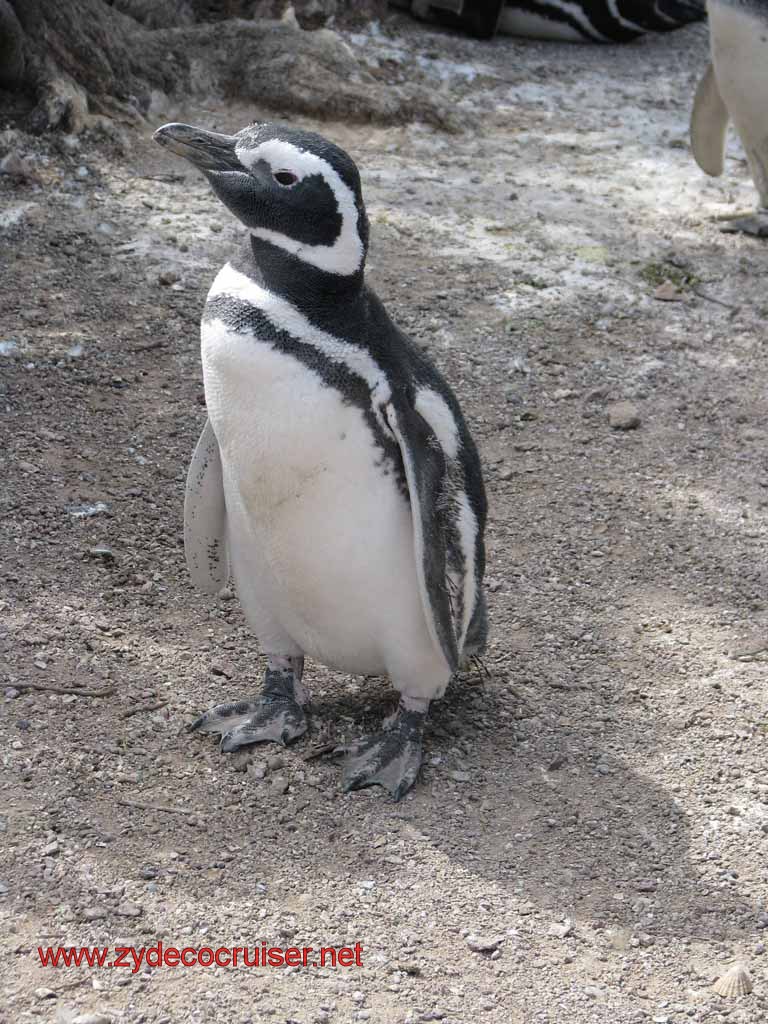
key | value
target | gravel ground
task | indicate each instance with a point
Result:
(588, 838)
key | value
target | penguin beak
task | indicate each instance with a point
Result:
(208, 151)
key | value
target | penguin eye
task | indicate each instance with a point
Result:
(285, 178)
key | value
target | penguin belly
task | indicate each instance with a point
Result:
(320, 535)
(740, 58)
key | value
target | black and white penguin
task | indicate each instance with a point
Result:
(735, 87)
(335, 475)
(597, 21)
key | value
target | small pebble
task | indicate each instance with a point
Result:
(218, 668)
(482, 944)
(279, 785)
(104, 553)
(94, 913)
(129, 909)
(623, 416)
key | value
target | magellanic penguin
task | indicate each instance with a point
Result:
(335, 475)
(595, 21)
(735, 87)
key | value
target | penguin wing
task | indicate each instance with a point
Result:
(709, 121)
(205, 516)
(429, 489)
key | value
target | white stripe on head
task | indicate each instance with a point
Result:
(285, 317)
(346, 254)
(435, 410)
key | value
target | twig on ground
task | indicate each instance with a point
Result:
(320, 751)
(154, 706)
(149, 346)
(711, 298)
(139, 806)
(53, 688)
(749, 652)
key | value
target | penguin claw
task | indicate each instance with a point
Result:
(390, 759)
(755, 224)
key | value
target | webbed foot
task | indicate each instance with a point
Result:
(390, 758)
(755, 224)
(277, 716)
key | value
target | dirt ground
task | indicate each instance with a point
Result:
(588, 839)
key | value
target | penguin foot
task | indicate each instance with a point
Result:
(390, 758)
(755, 224)
(276, 717)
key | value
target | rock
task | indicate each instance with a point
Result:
(167, 277)
(275, 763)
(101, 552)
(97, 508)
(279, 785)
(483, 944)
(461, 776)
(92, 1018)
(128, 909)
(623, 416)
(21, 167)
(241, 759)
(45, 993)
(561, 930)
(51, 849)
(94, 913)
(256, 771)
(646, 885)
(668, 292)
(218, 668)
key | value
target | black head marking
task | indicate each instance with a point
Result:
(294, 190)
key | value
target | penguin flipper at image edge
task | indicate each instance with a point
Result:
(205, 516)
(709, 122)
(445, 537)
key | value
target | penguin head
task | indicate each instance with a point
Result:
(292, 189)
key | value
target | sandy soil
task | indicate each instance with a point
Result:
(588, 839)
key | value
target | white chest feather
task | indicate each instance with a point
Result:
(320, 533)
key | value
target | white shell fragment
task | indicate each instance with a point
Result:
(560, 930)
(735, 982)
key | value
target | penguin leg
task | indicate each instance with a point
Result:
(755, 224)
(277, 716)
(390, 758)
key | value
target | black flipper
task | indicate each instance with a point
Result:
(426, 473)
